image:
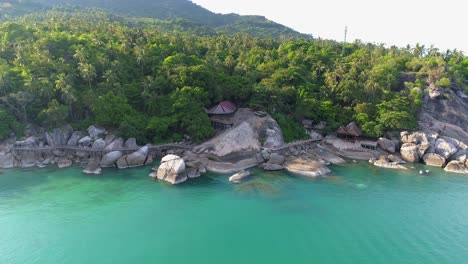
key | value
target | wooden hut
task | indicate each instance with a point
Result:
(350, 131)
(221, 115)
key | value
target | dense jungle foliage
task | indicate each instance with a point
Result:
(148, 80)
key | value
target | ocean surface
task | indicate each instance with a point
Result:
(359, 214)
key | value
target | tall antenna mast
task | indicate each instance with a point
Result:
(344, 43)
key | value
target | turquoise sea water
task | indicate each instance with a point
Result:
(360, 214)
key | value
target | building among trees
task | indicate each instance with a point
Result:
(351, 131)
(221, 115)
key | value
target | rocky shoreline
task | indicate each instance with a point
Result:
(253, 141)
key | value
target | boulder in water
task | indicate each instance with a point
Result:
(410, 152)
(456, 166)
(93, 167)
(306, 167)
(238, 177)
(434, 159)
(64, 163)
(172, 170)
(7, 161)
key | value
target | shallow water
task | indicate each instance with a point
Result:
(360, 214)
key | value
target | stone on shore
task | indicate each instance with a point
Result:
(305, 167)
(172, 170)
(434, 159)
(238, 177)
(276, 159)
(64, 163)
(7, 161)
(131, 143)
(410, 152)
(383, 163)
(85, 141)
(138, 158)
(99, 144)
(96, 132)
(29, 159)
(116, 144)
(456, 166)
(387, 145)
(110, 159)
(74, 138)
(445, 148)
(93, 167)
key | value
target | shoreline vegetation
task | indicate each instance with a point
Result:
(153, 83)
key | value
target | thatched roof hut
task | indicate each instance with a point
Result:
(223, 108)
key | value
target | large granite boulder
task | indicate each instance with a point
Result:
(238, 177)
(116, 144)
(59, 136)
(436, 92)
(276, 159)
(131, 143)
(93, 167)
(434, 159)
(110, 159)
(136, 159)
(172, 170)
(410, 152)
(272, 167)
(306, 167)
(7, 161)
(99, 144)
(456, 166)
(96, 132)
(74, 138)
(445, 148)
(85, 141)
(387, 145)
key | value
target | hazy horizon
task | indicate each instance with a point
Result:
(398, 22)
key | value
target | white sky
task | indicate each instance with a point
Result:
(443, 23)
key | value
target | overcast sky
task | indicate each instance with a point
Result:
(442, 23)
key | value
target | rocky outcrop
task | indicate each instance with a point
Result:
(249, 133)
(110, 159)
(410, 152)
(387, 145)
(59, 136)
(28, 142)
(272, 167)
(93, 167)
(305, 167)
(434, 159)
(172, 170)
(238, 177)
(456, 166)
(96, 132)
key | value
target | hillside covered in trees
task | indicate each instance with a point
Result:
(166, 10)
(143, 79)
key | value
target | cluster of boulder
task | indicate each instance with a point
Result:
(64, 146)
(430, 148)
